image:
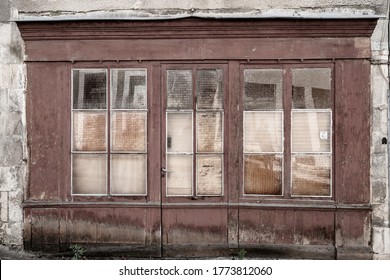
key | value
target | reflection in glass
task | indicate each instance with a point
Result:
(209, 89)
(128, 174)
(89, 131)
(263, 174)
(179, 177)
(263, 89)
(311, 131)
(263, 132)
(89, 174)
(179, 132)
(179, 89)
(311, 88)
(311, 175)
(209, 175)
(89, 89)
(129, 131)
(128, 89)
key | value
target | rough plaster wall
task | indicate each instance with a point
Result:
(150, 8)
(379, 158)
(12, 130)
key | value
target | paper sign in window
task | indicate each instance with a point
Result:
(263, 132)
(209, 132)
(89, 131)
(89, 174)
(128, 174)
(310, 132)
(128, 131)
(311, 175)
(209, 175)
(263, 174)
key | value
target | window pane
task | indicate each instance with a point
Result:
(89, 89)
(209, 132)
(311, 132)
(179, 177)
(179, 132)
(209, 175)
(311, 88)
(128, 89)
(89, 131)
(179, 89)
(311, 175)
(129, 131)
(209, 89)
(89, 174)
(263, 89)
(263, 174)
(263, 132)
(128, 174)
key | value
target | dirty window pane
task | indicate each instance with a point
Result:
(128, 89)
(311, 175)
(311, 88)
(209, 175)
(263, 174)
(89, 89)
(89, 174)
(179, 177)
(129, 131)
(209, 132)
(179, 132)
(311, 131)
(263, 132)
(263, 89)
(89, 131)
(128, 174)
(179, 89)
(209, 88)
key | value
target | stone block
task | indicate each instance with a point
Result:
(379, 191)
(381, 240)
(13, 234)
(11, 123)
(5, 10)
(379, 166)
(11, 178)
(15, 210)
(11, 151)
(5, 75)
(11, 44)
(4, 206)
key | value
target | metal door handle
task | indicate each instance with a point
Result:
(165, 171)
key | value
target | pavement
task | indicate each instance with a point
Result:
(16, 253)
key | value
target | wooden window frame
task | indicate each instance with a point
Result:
(287, 154)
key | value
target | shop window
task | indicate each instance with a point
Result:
(307, 133)
(109, 127)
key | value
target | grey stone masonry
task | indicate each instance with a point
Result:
(379, 149)
(12, 130)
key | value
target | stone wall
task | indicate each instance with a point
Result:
(12, 130)
(379, 150)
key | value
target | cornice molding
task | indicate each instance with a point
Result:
(197, 29)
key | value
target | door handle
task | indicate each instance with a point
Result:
(164, 171)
